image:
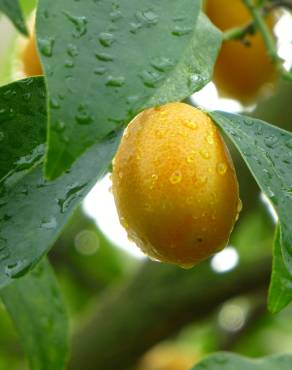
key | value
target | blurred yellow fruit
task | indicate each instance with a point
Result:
(30, 59)
(174, 185)
(242, 71)
(168, 358)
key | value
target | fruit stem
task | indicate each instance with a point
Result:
(261, 25)
(263, 29)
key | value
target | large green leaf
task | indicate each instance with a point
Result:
(37, 310)
(229, 361)
(107, 60)
(13, 11)
(280, 292)
(267, 150)
(32, 210)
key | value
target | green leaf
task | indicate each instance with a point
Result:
(107, 60)
(28, 6)
(23, 130)
(32, 210)
(280, 291)
(229, 361)
(267, 150)
(37, 310)
(13, 11)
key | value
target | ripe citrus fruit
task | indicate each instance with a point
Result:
(29, 57)
(243, 71)
(174, 184)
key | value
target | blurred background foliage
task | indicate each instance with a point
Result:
(92, 271)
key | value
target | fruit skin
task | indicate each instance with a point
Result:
(30, 60)
(242, 71)
(174, 185)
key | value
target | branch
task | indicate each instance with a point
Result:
(156, 304)
(268, 38)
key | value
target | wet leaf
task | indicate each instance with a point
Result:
(280, 291)
(13, 11)
(32, 210)
(106, 61)
(229, 361)
(36, 307)
(22, 129)
(267, 151)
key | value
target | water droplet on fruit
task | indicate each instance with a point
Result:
(191, 124)
(204, 153)
(191, 158)
(210, 139)
(176, 177)
(222, 168)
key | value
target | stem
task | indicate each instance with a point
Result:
(238, 33)
(264, 30)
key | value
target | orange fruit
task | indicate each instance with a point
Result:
(174, 185)
(242, 71)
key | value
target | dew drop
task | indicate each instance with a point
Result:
(72, 50)
(80, 23)
(106, 39)
(194, 81)
(248, 122)
(83, 117)
(27, 96)
(176, 177)
(181, 30)
(59, 125)
(271, 141)
(289, 144)
(162, 64)
(100, 71)
(17, 269)
(116, 15)
(210, 139)
(2, 136)
(105, 57)
(204, 153)
(191, 158)
(69, 63)
(147, 17)
(222, 168)
(135, 27)
(46, 46)
(124, 223)
(150, 79)
(115, 81)
(54, 104)
(191, 124)
(72, 194)
(49, 224)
